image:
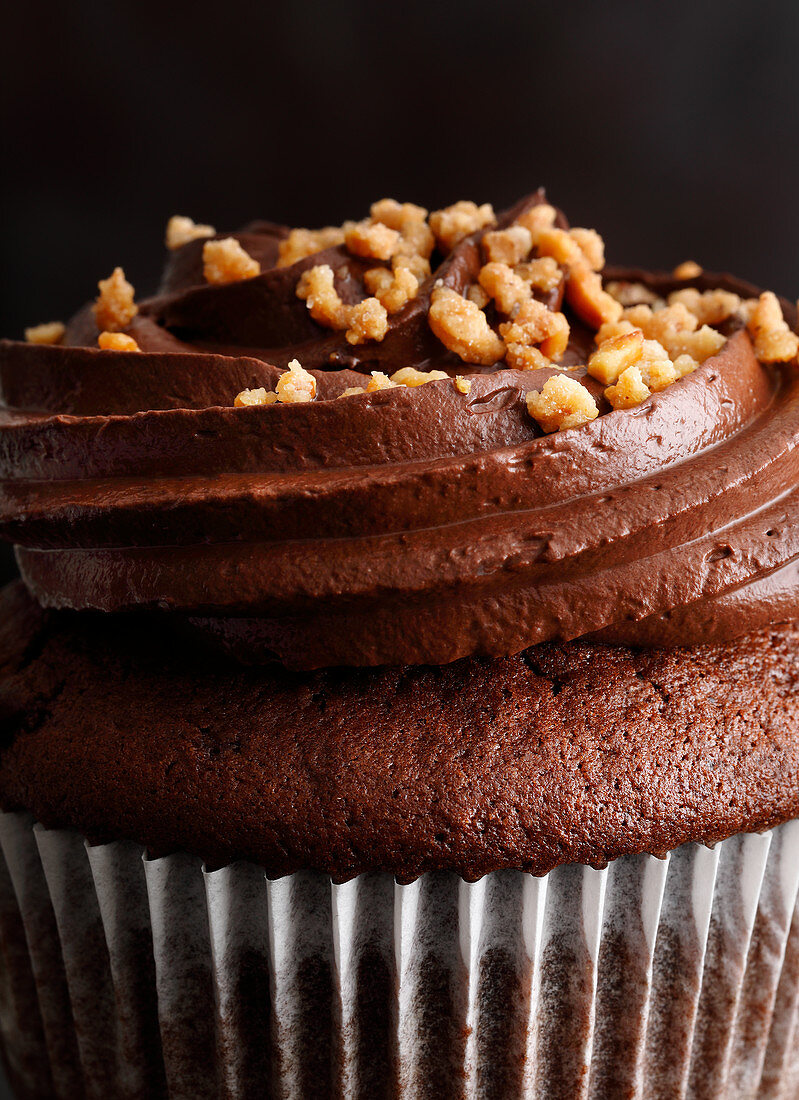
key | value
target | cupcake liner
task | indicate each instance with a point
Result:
(140, 978)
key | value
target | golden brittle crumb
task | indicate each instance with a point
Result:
(462, 385)
(410, 221)
(226, 261)
(116, 341)
(455, 222)
(507, 246)
(588, 299)
(591, 245)
(410, 376)
(537, 219)
(351, 391)
(367, 320)
(689, 269)
(544, 273)
(562, 403)
(710, 307)
(51, 332)
(463, 328)
(393, 289)
(629, 391)
(181, 230)
(371, 240)
(614, 356)
(255, 397)
(476, 294)
(535, 325)
(522, 357)
(561, 246)
(500, 282)
(115, 307)
(675, 327)
(631, 294)
(380, 381)
(772, 338)
(296, 385)
(306, 242)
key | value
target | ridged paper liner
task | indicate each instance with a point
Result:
(125, 977)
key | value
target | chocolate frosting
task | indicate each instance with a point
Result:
(402, 526)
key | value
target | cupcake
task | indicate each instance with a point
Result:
(400, 695)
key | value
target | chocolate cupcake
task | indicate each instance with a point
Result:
(400, 697)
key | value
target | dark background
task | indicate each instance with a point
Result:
(672, 128)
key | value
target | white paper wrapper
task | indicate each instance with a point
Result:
(652, 979)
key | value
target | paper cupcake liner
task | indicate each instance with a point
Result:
(653, 979)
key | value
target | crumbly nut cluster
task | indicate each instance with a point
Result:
(295, 386)
(115, 307)
(367, 320)
(395, 288)
(688, 269)
(463, 327)
(306, 242)
(180, 230)
(562, 403)
(460, 220)
(116, 341)
(51, 332)
(406, 376)
(772, 338)
(633, 367)
(226, 261)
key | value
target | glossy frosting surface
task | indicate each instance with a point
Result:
(410, 526)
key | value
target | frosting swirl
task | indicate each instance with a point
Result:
(404, 525)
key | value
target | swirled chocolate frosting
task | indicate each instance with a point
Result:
(406, 525)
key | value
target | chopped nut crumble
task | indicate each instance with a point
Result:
(689, 269)
(51, 332)
(115, 307)
(508, 246)
(371, 240)
(305, 242)
(629, 391)
(255, 397)
(116, 341)
(410, 376)
(463, 328)
(455, 222)
(462, 385)
(772, 338)
(226, 261)
(181, 230)
(562, 403)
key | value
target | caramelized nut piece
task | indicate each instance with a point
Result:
(613, 328)
(305, 242)
(115, 307)
(590, 302)
(380, 381)
(772, 338)
(351, 391)
(462, 385)
(562, 403)
(51, 332)
(502, 284)
(367, 320)
(657, 370)
(392, 289)
(615, 355)
(180, 231)
(685, 364)
(537, 219)
(631, 294)
(455, 222)
(410, 376)
(316, 287)
(521, 357)
(561, 246)
(296, 385)
(463, 328)
(629, 391)
(689, 269)
(371, 240)
(476, 294)
(535, 324)
(710, 308)
(410, 222)
(507, 246)
(226, 261)
(544, 273)
(116, 341)
(254, 397)
(591, 245)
